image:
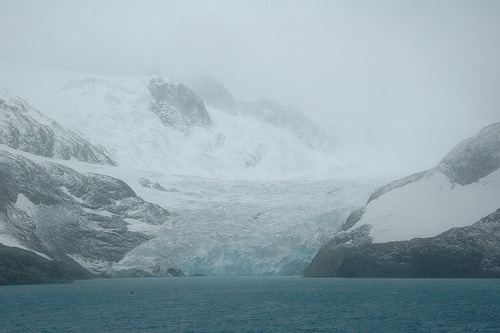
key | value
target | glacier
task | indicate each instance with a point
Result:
(245, 196)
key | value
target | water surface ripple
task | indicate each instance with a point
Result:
(252, 304)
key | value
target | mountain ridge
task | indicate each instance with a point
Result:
(120, 112)
(26, 128)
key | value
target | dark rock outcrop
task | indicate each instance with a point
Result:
(175, 272)
(467, 252)
(397, 184)
(353, 218)
(176, 105)
(25, 128)
(19, 266)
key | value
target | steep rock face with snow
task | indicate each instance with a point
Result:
(59, 213)
(288, 117)
(421, 225)
(474, 158)
(215, 95)
(20, 266)
(177, 105)
(466, 252)
(25, 128)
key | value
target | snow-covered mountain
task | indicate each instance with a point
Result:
(136, 176)
(155, 123)
(425, 224)
(61, 214)
(264, 110)
(202, 226)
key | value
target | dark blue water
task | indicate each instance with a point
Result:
(253, 304)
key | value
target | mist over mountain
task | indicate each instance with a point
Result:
(214, 94)
(396, 84)
(287, 117)
(259, 166)
(143, 177)
(178, 138)
(121, 115)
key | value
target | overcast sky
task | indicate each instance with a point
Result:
(405, 80)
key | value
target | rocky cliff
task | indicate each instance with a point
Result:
(63, 215)
(177, 105)
(467, 252)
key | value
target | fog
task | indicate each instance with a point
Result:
(398, 83)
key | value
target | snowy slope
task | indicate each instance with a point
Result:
(430, 206)
(462, 189)
(116, 113)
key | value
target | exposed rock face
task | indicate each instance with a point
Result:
(353, 218)
(25, 128)
(308, 132)
(176, 105)
(59, 212)
(253, 158)
(474, 158)
(396, 184)
(147, 183)
(174, 272)
(466, 252)
(215, 95)
(19, 266)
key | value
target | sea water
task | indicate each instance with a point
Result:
(252, 304)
